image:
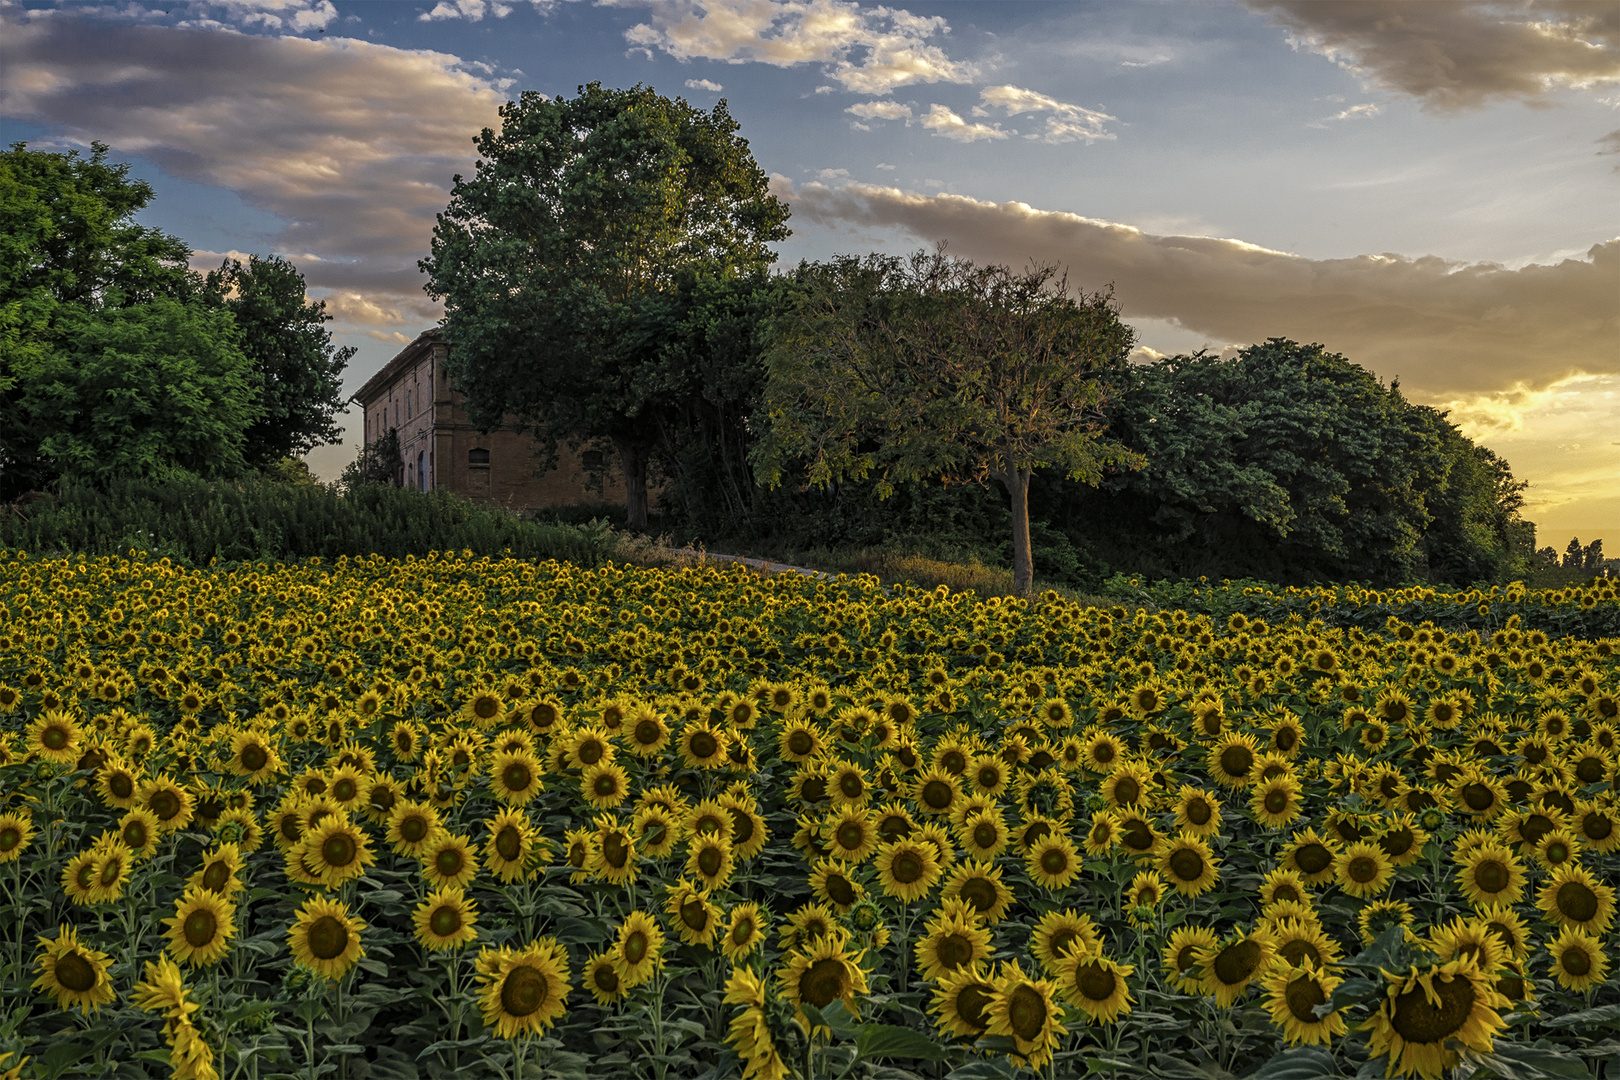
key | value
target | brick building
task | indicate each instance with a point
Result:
(440, 449)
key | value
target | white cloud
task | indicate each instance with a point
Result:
(1066, 122)
(704, 84)
(352, 144)
(1460, 54)
(880, 110)
(942, 121)
(832, 174)
(1354, 112)
(885, 166)
(1446, 329)
(865, 50)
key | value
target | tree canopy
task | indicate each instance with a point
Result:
(561, 260)
(119, 360)
(904, 369)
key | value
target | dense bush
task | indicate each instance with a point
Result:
(196, 521)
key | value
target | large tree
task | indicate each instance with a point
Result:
(297, 368)
(933, 367)
(114, 361)
(560, 260)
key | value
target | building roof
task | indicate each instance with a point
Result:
(409, 355)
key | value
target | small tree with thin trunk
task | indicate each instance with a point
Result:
(933, 367)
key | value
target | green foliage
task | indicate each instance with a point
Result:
(195, 521)
(933, 368)
(591, 212)
(377, 463)
(298, 371)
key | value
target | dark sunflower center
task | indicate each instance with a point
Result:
(1137, 835)
(1491, 876)
(254, 758)
(121, 784)
(980, 892)
(1298, 950)
(1199, 812)
(695, 914)
(590, 752)
(1095, 982)
(851, 835)
(524, 991)
(486, 706)
(339, 850)
(971, 1004)
(1186, 958)
(1576, 961)
(449, 862)
(634, 949)
(823, 982)
(1478, 797)
(445, 920)
(984, 836)
(704, 745)
(1362, 869)
(953, 762)
(800, 743)
(1577, 902)
(55, 738)
(111, 871)
(1397, 842)
(953, 951)
(1236, 761)
(710, 859)
(216, 876)
(328, 937)
(1054, 861)
(10, 837)
(1187, 865)
(937, 794)
(200, 928)
(1276, 801)
(1237, 963)
(1127, 790)
(76, 973)
(907, 868)
(1313, 858)
(839, 888)
(517, 777)
(616, 852)
(647, 732)
(165, 804)
(509, 843)
(605, 786)
(1419, 1020)
(1535, 827)
(1061, 940)
(1285, 739)
(1027, 1012)
(135, 835)
(1303, 995)
(413, 828)
(1103, 752)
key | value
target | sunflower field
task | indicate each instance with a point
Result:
(471, 817)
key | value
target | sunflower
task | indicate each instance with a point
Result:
(139, 831)
(1102, 834)
(702, 747)
(1058, 933)
(936, 791)
(602, 978)
(694, 917)
(449, 860)
(110, 864)
(744, 932)
(749, 833)
(821, 973)
(325, 939)
(709, 860)
(524, 991)
(1509, 929)
(446, 920)
(1180, 957)
(514, 777)
(1198, 813)
(219, 870)
(1229, 967)
(1363, 870)
(1231, 759)
(984, 835)
(1572, 897)
(750, 1033)
(1283, 886)
(847, 784)
(907, 869)
(1490, 874)
(951, 942)
(337, 850)
(253, 757)
(800, 741)
(585, 747)
(412, 827)
(1293, 995)
(117, 784)
(1402, 840)
(55, 737)
(201, 930)
(657, 831)
(604, 785)
(1310, 855)
(383, 793)
(639, 950)
(1578, 960)
(1053, 862)
(961, 1003)
(979, 885)
(851, 835)
(1276, 803)
(1188, 864)
(1597, 825)
(1022, 1008)
(646, 732)
(1096, 985)
(168, 800)
(74, 975)
(613, 853)
(1423, 1014)
(1300, 942)
(831, 883)
(1136, 833)
(1381, 916)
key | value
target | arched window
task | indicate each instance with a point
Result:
(421, 470)
(478, 456)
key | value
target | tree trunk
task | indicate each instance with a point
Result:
(1016, 481)
(633, 458)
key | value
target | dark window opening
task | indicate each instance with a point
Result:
(592, 460)
(478, 457)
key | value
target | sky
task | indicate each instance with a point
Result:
(1430, 188)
